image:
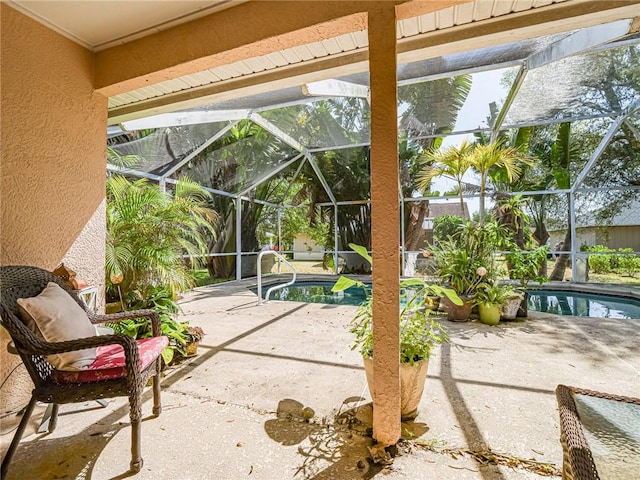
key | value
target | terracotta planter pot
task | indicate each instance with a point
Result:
(432, 303)
(458, 313)
(191, 349)
(489, 314)
(510, 308)
(412, 379)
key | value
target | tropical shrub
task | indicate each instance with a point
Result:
(526, 265)
(628, 262)
(446, 226)
(179, 334)
(149, 233)
(466, 259)
(600, 262)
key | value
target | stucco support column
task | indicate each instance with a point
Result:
(385, 223)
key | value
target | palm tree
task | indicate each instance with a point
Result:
(452, 162)
(148, 233)
(559, 158)
(491, 156)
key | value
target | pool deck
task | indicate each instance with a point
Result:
(261, 399)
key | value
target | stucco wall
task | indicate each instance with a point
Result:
(305, 248)
(53, 135)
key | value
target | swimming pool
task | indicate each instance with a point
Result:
(583, 304)
(316, 292)
(551, 301)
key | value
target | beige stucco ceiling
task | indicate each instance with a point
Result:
(100, 24)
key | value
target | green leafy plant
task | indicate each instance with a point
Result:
(180, 334)
(419, 333)
(628, 262)
(601, 262)
(526, 264)
(465, 260)
(446, 226)
(494, 293)
(148, 234)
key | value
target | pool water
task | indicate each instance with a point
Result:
(583, 304)
(558, 302)
(316, 292)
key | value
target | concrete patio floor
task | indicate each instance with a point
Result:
(260, 400)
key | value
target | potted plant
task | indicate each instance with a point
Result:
(465, 260)
(525, 266)
(419, 334)
(193, 335)
(490, 298)
(511, 304)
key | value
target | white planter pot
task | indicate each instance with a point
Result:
(510, 308)
(412, 379)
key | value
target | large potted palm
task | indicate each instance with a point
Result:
(419, 334)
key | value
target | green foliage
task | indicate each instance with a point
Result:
(493, 293)
(628, 262)
(601, 262)
(296, 220)
(453, 162)
(465, 260)
(148, 232)
(430, 107)
(446, 226)
(606, 260)
(525, 265)
(418, 333)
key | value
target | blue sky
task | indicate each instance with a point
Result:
(486, 87)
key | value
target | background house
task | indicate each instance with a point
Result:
(305, 248)
(436, 210)
(623, 231)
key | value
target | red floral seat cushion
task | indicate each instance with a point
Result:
(110, 364)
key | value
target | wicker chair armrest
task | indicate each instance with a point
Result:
(42, 347)
(119, 317)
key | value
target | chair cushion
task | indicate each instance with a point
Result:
(56, 316)
(110, 362)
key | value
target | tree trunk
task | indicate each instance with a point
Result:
(414, 234)
(541, 235)
(563, 260)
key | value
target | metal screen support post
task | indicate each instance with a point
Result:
(238, 238)
(335, 239)
(574, 240)
(279, 217)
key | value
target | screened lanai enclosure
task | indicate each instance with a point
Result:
(296, 161)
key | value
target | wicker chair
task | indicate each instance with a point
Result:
(578, 463)
(24, 282)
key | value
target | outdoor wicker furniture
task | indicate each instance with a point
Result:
(600, 434)
(122, 365)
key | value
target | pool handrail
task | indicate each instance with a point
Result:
(275, 287)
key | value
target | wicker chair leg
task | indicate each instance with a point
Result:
(53, 421)
(135, 415)
(157, 404)
(136, 459)
(16, 437)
